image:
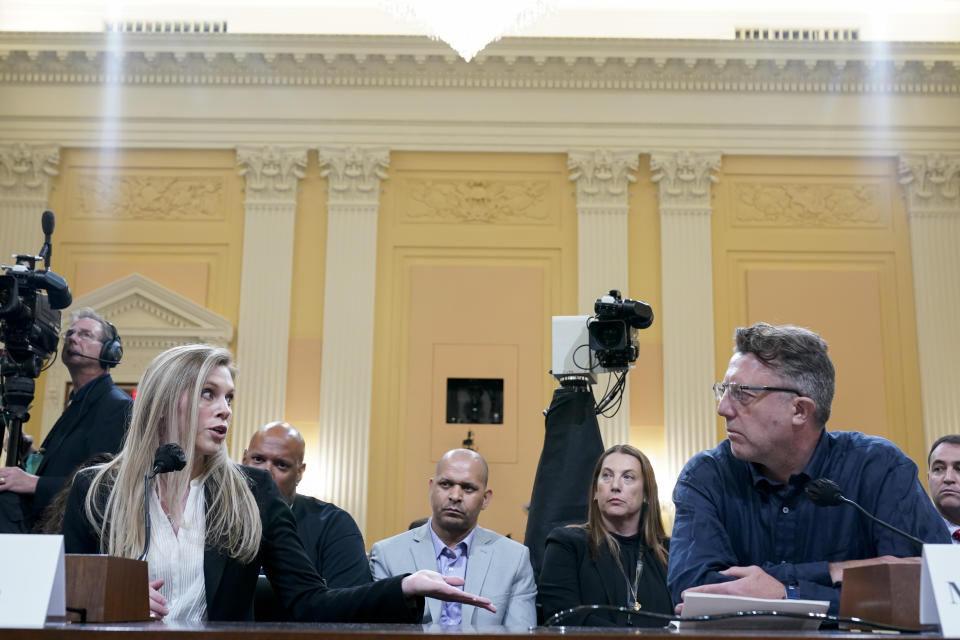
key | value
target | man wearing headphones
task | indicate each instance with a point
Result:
(95, 420)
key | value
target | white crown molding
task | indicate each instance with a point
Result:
(520, 95)
(511, 63)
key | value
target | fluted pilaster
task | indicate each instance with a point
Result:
(684, 180)
(25, 175)
(272, 175)
(931, 184)
(354, 175)
(602, 177)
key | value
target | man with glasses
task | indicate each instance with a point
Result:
(744, 525)
(94, 422)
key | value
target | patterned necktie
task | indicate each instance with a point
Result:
(956, 535)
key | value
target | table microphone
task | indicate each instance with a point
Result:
(824, 492)
(169, 457)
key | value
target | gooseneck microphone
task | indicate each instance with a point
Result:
(168, 457)
(824, 492)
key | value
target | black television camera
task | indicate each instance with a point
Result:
(30, 300)
(613, 330)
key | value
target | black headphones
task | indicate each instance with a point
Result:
(112, 350)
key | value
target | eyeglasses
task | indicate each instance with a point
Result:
(737, 390)
(82, 334)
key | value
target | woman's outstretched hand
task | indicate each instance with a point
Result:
(433, 585)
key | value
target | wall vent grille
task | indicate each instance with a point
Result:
(166, 26)
(802, 34)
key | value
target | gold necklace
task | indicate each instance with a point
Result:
(632, 589)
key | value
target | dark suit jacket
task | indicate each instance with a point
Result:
(333, 542)
(570, 577)
(95, 423)
(230, 584)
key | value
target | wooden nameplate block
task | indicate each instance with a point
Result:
(887, 593)
(111, 589)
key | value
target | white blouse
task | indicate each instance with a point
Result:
(178, 557)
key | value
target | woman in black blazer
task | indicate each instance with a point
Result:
(215, 517)
(619, 556)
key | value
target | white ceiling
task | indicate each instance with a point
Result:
(883, 20)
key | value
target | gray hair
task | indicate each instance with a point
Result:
(87, 312)
(798, 355)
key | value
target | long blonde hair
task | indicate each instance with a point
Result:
(651, 525)
(232, 517)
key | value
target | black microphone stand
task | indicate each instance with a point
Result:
(146, 512)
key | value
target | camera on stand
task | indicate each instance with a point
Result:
(584, 346)
(30, 303)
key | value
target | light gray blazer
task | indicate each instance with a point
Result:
(497, 568)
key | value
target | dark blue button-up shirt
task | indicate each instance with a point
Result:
(729, 514)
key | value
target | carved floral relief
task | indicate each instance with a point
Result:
(807, 204)
(478, 201)
(135, 197)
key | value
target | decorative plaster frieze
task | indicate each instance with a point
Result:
(142, 197)
(272, 172)
(512, 63)
(819, 205)
(931, 183)
(481, 201)
(684, 178)
(602, 176)
(354, 173)
(26, 170)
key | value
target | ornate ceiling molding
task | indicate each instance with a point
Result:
(512, 63)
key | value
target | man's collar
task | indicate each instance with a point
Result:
(78, 394)
(439, 545)
(813, 468)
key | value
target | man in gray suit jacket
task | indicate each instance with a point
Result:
(450, 542)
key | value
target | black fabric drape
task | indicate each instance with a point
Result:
(571, 446)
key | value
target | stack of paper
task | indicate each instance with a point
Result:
(702, 604)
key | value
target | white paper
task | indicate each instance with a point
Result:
(940, 588)
(702, 604)
(32, 581)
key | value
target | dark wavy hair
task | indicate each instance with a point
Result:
(798, 355)
(651, 526)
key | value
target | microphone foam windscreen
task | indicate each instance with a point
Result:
(824, 492)
(169, 457)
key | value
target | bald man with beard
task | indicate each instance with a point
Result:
(329, 534)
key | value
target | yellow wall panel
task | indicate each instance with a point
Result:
(173, 216)
(124, 210)
(474, 250)
(824, 243)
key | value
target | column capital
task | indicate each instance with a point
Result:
(684, 178)
(271, 171)
(931, 183)
(354, 173)
(602, 176)
(26, 170)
